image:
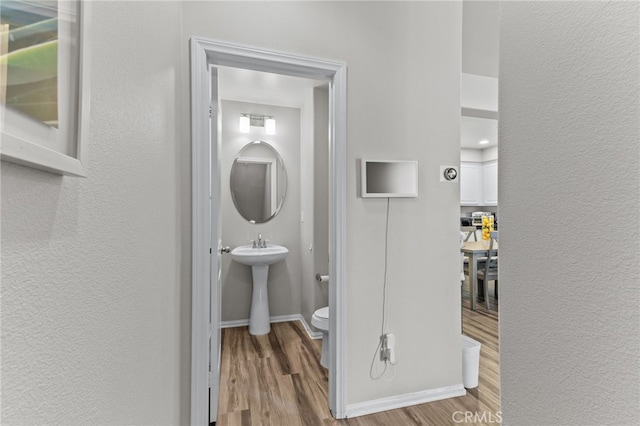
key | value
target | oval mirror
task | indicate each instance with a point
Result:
(258, 182)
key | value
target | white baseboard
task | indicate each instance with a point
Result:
(278, 318)
(234, 323)
(406, 400)
(314, 334)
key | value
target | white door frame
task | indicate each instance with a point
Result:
(205, 52)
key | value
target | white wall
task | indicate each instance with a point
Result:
(314, 228)
(489, 154)
(307, 213)
(404, 103)
(93, 327)
(479, 155)
(480, 37)
(569, 272)
(284, 277)
(320, 293)
(471, 155)
(479, 92)
(96, 272)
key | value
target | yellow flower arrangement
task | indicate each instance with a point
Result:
(487, 227)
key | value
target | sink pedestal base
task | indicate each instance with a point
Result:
(259, 320)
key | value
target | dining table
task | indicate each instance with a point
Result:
(475, 251)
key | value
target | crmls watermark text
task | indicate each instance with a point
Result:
(475, 417)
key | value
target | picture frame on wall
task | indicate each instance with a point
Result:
(44, 85)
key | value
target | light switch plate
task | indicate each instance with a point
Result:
(447, 174)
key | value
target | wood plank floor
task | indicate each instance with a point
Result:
(277, 380)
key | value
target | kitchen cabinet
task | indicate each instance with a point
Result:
(479, 183)
(471, 185)
(490, 183)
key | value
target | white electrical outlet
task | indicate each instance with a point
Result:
(388, 348)
(390, 341)
(391, 356)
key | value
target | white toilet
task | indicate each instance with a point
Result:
(320, 320)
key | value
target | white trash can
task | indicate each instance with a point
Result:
(470, 362)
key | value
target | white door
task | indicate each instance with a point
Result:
(216, 251)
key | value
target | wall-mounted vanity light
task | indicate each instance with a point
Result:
(270, 126)
(266, 121)
(244, 123)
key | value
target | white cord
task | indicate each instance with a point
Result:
(376, 375)
(385, 308)
(385, 287)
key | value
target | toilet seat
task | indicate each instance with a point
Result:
(320, 318)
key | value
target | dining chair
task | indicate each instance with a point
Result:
(470, 234)
(462, 257)
(469, 231)
(490, 270)
(465, 234)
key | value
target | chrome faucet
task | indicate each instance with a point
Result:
(260, 243)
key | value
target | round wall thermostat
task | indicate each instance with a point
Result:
(450, 173)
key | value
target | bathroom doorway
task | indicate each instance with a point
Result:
(207, 56)
(274, 191)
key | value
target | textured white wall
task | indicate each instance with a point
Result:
(570, 273)
(95, 272)
(284, 277)
(404, 103)
(91, 319)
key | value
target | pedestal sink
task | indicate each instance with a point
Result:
(259, 259)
